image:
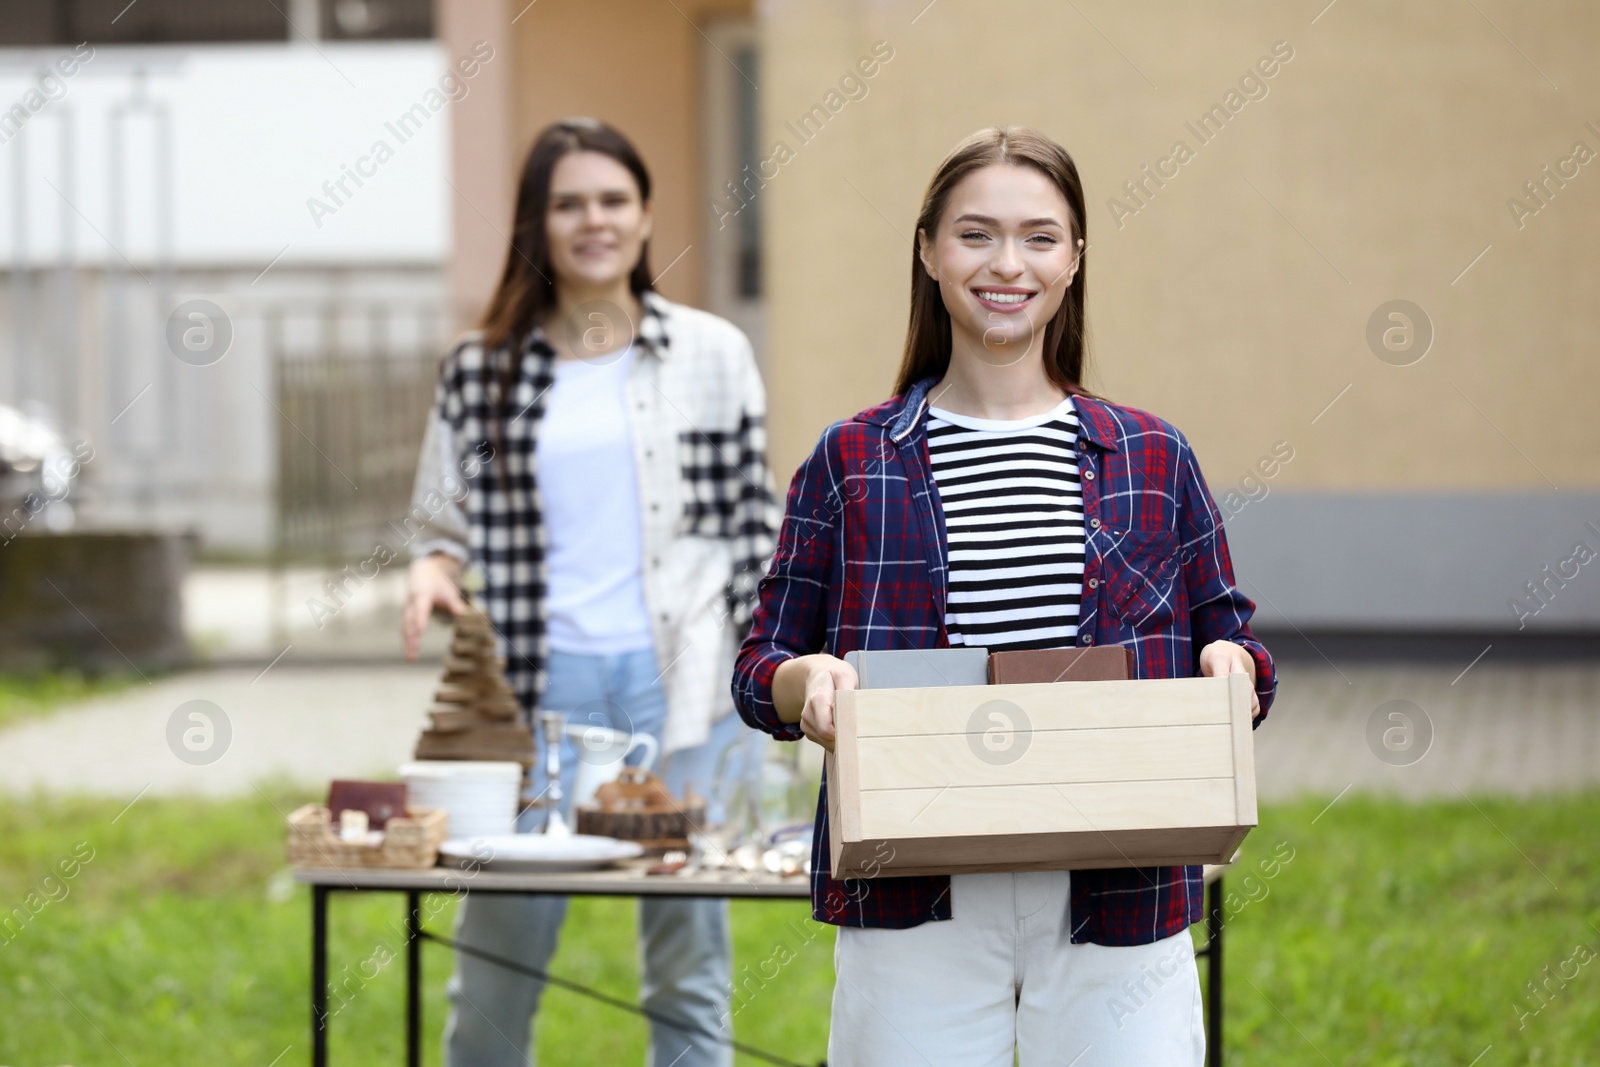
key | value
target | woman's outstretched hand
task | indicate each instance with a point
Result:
(1225, 657)
(803, 689)
(432, 582)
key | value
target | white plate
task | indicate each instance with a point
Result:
(476, 833)
(538, 853)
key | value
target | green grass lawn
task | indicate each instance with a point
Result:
(1383, 934)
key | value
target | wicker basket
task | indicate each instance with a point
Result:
(411, 840)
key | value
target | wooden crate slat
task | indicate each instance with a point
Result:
(1244, 754)
(1085, 705)
(847, 764)
(959, 811)
(1105, 754)
(1047, 852)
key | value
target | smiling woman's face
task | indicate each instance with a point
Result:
(595, 223)
(1003, 255)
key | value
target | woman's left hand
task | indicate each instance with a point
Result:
(1225, 657)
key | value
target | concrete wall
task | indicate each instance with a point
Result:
(100, 602)
(1234, 297)
(1526, 561)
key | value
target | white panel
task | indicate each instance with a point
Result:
(255, 132)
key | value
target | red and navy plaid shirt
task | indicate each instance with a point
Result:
(861, 564)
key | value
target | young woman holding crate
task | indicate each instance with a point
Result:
(995, 502)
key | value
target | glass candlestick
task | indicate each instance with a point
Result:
(551, 725)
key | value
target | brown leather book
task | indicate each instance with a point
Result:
(381, 801)
(1107, 663)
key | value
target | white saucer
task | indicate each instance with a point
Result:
(537, 853)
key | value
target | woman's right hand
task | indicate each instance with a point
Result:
(432, 582)
(811, 681)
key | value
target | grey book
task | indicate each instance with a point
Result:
(915, 668)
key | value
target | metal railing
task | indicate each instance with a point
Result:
(350, 430)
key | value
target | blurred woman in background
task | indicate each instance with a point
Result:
(621, 522)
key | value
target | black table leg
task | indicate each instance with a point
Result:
(1214, 974)
(413, 979)
(319, 976)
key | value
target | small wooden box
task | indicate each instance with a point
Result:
(637, 806)
(1040, 777)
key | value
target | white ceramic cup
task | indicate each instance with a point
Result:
(602, 753)
(479, 797)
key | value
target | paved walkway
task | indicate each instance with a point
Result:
(1515, 729)
(307, 725)
(1518, 728)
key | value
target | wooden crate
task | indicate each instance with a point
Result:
(1041, 776)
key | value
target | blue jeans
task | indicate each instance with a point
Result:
(685, 948)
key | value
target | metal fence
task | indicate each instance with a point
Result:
(351, 425)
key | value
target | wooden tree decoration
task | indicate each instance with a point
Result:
(475, 715)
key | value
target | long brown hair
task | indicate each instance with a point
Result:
(1066, 338)
(527, 287)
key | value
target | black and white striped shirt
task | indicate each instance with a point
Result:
(1013, 513)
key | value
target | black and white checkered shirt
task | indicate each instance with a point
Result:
(709, 517)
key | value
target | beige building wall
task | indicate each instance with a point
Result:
(632, 63)
(1356, 154)
(482, 163)
(1235, 301)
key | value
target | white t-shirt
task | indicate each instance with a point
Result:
(588, 485)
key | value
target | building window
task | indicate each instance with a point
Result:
(736, 173)
(747, 132)
(372, 20)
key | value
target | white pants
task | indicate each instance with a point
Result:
(1002, 975)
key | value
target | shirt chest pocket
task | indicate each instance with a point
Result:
(1140, 569)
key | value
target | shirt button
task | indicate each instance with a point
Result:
(1086, 639)
(1088, 476)
(655, 561)
(1095, 523)
(1094, 583)
(655, 507)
